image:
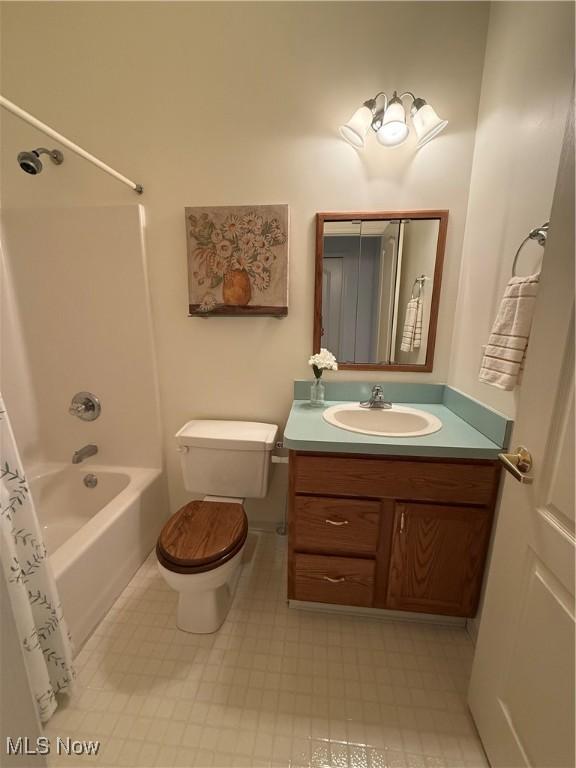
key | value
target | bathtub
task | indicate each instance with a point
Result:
(97, 537)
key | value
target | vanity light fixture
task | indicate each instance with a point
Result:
(388, 121)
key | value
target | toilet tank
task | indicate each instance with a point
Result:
(226, 458)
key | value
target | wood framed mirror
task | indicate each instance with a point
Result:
(377, 288)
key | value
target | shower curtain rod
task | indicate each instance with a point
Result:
(28, 118)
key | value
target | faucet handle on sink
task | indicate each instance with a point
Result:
(376, 399)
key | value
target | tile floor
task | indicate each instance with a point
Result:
(273, 687)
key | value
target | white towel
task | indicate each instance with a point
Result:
(412, 334)
(506, 349)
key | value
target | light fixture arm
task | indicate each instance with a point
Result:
(378, 113)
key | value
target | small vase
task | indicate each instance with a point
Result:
(236, 288)
(317, 393)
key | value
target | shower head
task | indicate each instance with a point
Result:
(30, 161)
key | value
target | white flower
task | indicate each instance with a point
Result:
(324, 361)
(208, 302)
(253, 222)
(247, 241)
(232, 225)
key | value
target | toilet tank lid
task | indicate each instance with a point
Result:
(231, 435)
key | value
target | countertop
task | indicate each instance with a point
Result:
(306, 430)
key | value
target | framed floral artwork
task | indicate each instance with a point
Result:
(237, 260)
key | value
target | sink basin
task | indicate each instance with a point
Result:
(398, 421)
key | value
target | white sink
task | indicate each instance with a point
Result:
(398, 421)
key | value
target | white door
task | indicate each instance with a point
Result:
(522, 686)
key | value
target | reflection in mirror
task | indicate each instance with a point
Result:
(378, 292)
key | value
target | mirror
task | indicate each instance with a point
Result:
(377, 288)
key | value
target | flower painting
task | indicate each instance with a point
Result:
(238, 260)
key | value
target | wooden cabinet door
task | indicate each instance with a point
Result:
(438, 554)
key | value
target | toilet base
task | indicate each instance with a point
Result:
(204, 612)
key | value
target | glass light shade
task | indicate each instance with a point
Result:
(355, 130)
(393, 130)
(427, 124)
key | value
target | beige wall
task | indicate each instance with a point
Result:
(80, 297)
(216, 103)
(528, 74)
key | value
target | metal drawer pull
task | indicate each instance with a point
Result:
(518, 464)
(339, 580)
(336, 522)
(402, 521)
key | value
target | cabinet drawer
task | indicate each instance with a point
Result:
(336, 526)
(396, 478)
(341, 580)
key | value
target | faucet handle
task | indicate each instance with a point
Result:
(85, 405)
(376, 399)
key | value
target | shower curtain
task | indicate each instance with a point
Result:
(45, 641)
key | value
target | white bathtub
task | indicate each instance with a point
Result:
(97, 537)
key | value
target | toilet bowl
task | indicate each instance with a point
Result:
(199, 554)
(200, 547)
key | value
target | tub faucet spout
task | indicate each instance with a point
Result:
(84, 453)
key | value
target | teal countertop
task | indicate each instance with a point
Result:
(306, 430)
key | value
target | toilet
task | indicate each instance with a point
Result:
(200, 547)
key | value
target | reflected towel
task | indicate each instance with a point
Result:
(412, 334)
(504, 355)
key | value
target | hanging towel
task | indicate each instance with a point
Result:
(504, 355)
(42, 631)
(412, 334)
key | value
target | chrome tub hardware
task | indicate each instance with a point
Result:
(85, 405)
(519, 464)
(90, 480)
(376, 399)
(84, 453)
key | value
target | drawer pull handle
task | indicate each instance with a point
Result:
(336, 522)
(402, 522)
(339, 580)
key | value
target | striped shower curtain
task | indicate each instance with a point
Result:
(35, 604)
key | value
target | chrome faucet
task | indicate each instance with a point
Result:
(376, 399)
(84, 453)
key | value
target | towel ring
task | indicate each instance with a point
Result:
(420, 283)
(539, 234)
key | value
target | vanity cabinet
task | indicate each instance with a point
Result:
(390, 532)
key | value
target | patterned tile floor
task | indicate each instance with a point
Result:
(273, 687)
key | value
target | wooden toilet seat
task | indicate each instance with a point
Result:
(201, 536)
